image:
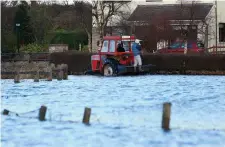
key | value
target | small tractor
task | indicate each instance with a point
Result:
(112, 61)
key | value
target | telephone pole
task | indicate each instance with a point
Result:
(18, 35)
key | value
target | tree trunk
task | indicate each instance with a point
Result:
(101, 34)
(89, 39)
(89, 43)
(206, 40)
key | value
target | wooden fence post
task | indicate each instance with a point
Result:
(42, 112)
(5, 112)
(166, 116)
(183, 67)
(87, 115)
(17, 77)
(49, 75)
(65, 76)
(36, 78)
(60, 72)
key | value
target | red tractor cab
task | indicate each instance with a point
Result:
(115, 56)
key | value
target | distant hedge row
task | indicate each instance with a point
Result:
(78, 62)
(192, 62)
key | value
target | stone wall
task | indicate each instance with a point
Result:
(25, 66)
(58, 48)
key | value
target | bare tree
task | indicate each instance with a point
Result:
(122, 24)
(156, 30)
(201, 25)
(103, 10)
(187, 10)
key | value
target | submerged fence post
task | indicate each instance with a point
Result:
(36, 78)
(17, 77)
(65, 75)
(183, 67)
(42, 112)
(5, 112)
(60, 72)
(166, 116)
(49, 75)
(87, 114)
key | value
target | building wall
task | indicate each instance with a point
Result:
(211, 19)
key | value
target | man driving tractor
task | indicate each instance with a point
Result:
(120, 47)
(136, 48)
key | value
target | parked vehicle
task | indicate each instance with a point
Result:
(112, 60)
(178, 48)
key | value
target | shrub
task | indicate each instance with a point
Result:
(85, 48)
(33, 48)
(72, 38)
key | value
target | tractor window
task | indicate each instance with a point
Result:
(126, 45)
(112, 46)
(105, 46)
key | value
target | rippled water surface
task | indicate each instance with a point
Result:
(126, 112)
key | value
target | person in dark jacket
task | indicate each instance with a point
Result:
(136, 49)
(120, 47)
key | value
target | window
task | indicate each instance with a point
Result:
(200, 45)
(221, 32)
(189, 45)
(112, 46)
(175, 45)
(105, 46)
(126, 45)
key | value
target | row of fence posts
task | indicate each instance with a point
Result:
(62, 74)
(87, 115)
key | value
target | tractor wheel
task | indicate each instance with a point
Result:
(110, 69)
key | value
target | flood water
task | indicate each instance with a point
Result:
(126, 112)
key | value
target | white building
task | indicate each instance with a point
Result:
(216, 27)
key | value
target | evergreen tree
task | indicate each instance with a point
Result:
(25, 30)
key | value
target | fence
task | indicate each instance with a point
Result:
(165, 124)
(216, 50)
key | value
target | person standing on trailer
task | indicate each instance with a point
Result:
(136, 49)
